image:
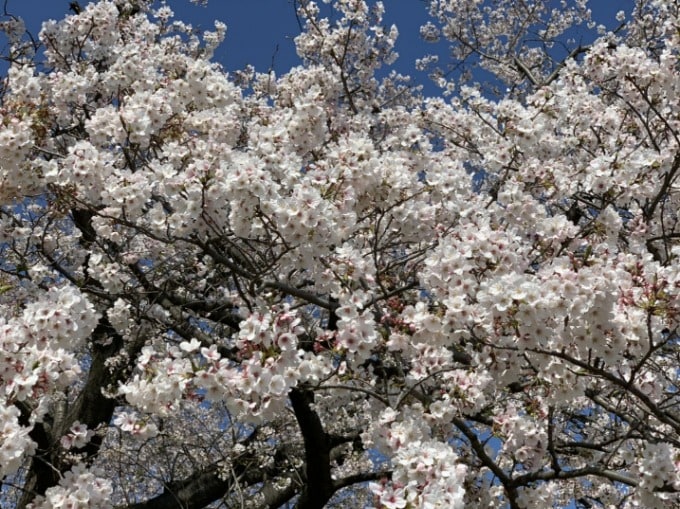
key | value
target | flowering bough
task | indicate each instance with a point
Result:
(324, 289)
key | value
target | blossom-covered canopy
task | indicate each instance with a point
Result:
(325, 289)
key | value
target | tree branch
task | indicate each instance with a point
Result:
(318, 487)
(194, 492)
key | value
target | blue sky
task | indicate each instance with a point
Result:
(261, 32)
(257, 30)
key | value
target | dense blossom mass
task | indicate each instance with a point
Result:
(324, 289)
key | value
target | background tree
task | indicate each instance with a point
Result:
(253, 290)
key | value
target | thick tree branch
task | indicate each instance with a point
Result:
(91, 408)
(194, 492)
(318, 488)
(42, 474)
(361, 477)
(206, 486)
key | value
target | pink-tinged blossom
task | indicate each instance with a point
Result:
(78, 436)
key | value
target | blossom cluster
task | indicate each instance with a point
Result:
(79, 487)
(254, 389)
(38, 360)
(426, 472)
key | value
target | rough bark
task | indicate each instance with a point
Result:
(318, 487)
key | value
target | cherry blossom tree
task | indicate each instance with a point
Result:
(325, 289)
